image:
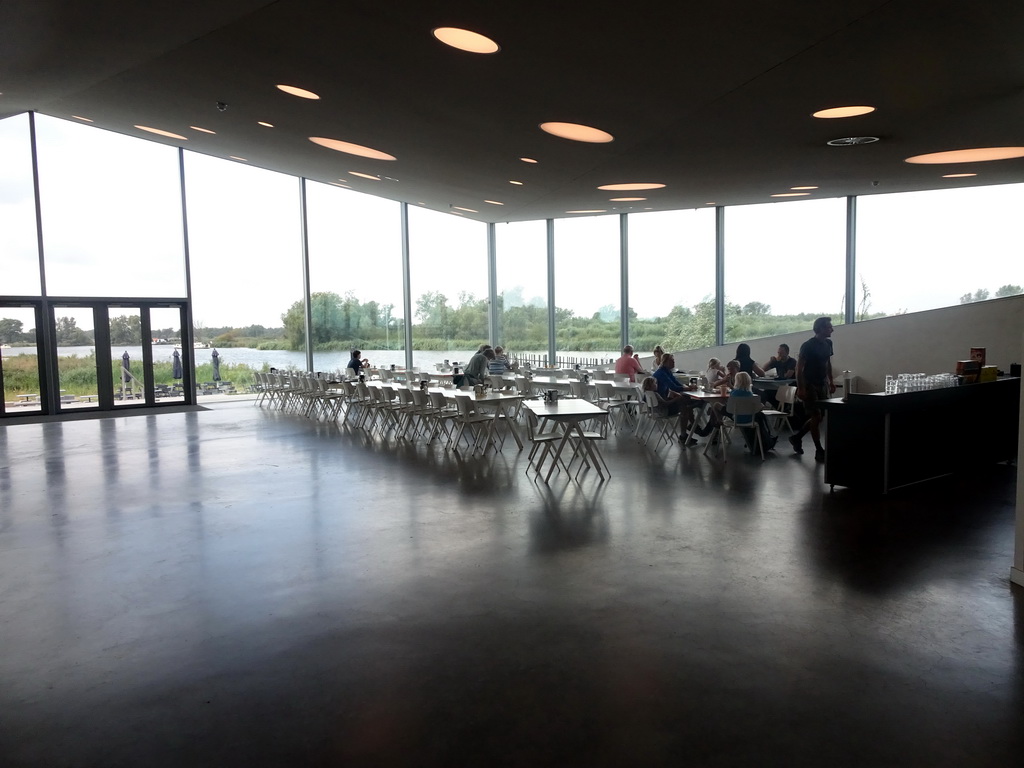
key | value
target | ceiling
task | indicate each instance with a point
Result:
(714, 100)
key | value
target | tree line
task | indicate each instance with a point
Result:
(341, 322)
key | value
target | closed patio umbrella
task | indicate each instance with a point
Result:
(216, 365)
(126, 375)
(176, 372)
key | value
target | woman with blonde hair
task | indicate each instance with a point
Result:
(743, 387)
(715, 372)
(659, 353)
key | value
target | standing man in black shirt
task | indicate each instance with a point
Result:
(814, 383)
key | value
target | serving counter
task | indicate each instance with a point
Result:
(878, 442)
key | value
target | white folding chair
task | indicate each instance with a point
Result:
(665, 424)
(609, 399)
(779, 417)
(738, 407)
(442, 414)
(478, 422)
(538, 440)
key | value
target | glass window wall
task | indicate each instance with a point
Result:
(111, 211)
(922, 250)
(18, 242)
(355, 266)
(522, 267)
(785, 264)
(587, 288)
(672, 280)
(245, 251)
(448, 256)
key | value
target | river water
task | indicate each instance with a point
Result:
(324, 361)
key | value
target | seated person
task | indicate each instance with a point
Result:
(357, 363)
(731, 369)
(784, 367)
(649, 390)
(476, 370)
(499, 364)
(629, 363)
(747, 364)
(502, 358)
(715, 372)
(671, 391)
(744, 388)
(659, 353)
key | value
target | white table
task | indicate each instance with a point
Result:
(570, 414)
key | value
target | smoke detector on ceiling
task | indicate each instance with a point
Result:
(852, 141)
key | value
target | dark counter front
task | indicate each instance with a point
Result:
(880, 442)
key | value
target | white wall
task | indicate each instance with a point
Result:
(921, 342)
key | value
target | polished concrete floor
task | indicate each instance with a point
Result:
(241, 587)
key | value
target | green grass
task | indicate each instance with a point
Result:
(78, 375)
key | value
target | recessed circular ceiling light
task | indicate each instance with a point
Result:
(799, 188)
(352, 149)
(527, 159)
(625, 199)
(467, 210)
(792, 194)
(852, 141)
(365, 176)
(302, 93)
(596, 210)
(980, 155)
(957, 175)
(577, 132)
(843, 112)
(265, 125)
(201, 130)
(83, 119)
(517, 183)
(465, 40)
(493, 202)
(159, 132)
(632, 186)
(240, 159)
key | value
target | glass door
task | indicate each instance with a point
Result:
(127, 372)
(20, 360)
(112, 354)
(78, 373)
(169, 358)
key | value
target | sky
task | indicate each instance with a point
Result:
(112, 227)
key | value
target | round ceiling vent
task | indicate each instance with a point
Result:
(852, 141)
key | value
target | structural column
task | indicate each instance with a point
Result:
(850, 315)
(552, 341)
(623, 279)
(406, 284)
(307, 319)
(494, 329)
(1017, 571)
(719, 275)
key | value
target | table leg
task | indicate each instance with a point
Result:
(561, 447)
(592, 451)
(511, 422)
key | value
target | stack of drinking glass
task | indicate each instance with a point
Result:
(918, 382)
